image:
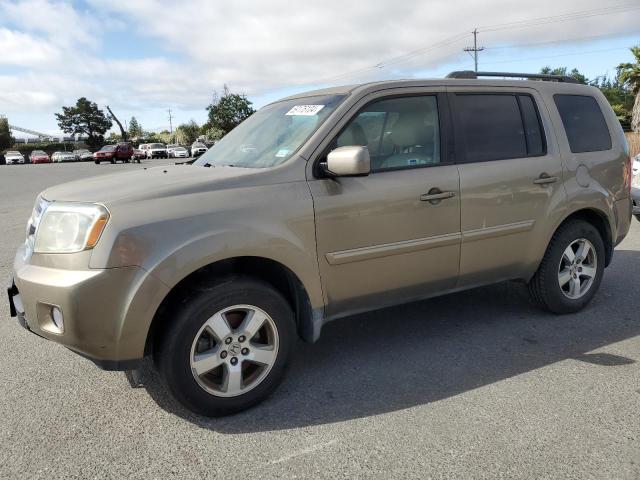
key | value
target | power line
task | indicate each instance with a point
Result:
(566, 17)
(551, 42)
(582, 52)
(570, 16)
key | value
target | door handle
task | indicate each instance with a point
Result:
(436, 195)
(544, 179)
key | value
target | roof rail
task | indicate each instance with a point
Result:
(470, 74)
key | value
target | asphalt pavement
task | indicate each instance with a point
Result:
(478, 384)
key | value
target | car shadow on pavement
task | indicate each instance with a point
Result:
(422, 352)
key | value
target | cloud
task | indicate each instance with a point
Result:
(60, 22)
(23, 50)
(63, 51)
(257, 45)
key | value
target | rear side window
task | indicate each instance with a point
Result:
(584, 123)
(498, 126)
(532, 129)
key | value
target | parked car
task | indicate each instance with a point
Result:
(121, 152)
(197, 149)
(350, 199)
(179, 152)
(54, 156)
(83, 155)
(66, 157)
(39, 156)
(139, 154)
(170, 147)
(156, 150)
(13, 157)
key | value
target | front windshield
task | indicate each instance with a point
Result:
(108, 148)
(156, 145)
(272, 134)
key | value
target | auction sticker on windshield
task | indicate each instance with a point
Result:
(306, 110)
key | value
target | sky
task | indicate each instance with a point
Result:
(144, 57)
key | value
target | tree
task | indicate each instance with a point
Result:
(6, 139)
(211, 133)
(164, 136)
(85, 118)
(226, 112)
(187, 133)
(123, 132)
(563, 71)
(135, 129)
(629, 75)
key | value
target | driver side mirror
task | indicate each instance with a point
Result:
(352, 161)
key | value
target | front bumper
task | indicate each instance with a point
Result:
(106, 312)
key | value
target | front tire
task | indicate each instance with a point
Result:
(227, 347)
(571, 270)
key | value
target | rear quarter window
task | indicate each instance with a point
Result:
(583, 123)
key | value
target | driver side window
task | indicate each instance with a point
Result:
(401, 132)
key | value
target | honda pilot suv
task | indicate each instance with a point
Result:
(319, 206)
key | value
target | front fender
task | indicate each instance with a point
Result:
(172, 237)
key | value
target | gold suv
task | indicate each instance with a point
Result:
(319, 206)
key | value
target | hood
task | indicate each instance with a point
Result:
(152, 183)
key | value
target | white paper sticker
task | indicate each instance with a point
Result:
(305, 110)
(282, 153)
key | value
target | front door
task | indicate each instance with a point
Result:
(393, 235)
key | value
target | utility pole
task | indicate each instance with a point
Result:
(475, 49)
(170, 126)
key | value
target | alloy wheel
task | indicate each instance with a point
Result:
(234, 350)
(578, 268)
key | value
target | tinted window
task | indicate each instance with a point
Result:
(491, 127)
(400, 132)
(584, 123)
(532, 128)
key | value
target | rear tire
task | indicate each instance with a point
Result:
(571, 271)
(215, 325)
(97, 162)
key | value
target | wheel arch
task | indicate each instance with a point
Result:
(282, 278)
(599, 220)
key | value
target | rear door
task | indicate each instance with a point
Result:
(510, 181)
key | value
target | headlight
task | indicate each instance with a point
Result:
(70, 227)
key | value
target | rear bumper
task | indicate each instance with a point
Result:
(623, 211)
(635, 197)
(106, 312)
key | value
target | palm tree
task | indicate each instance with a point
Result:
(629, 75)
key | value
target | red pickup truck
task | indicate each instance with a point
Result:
(113, 153)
